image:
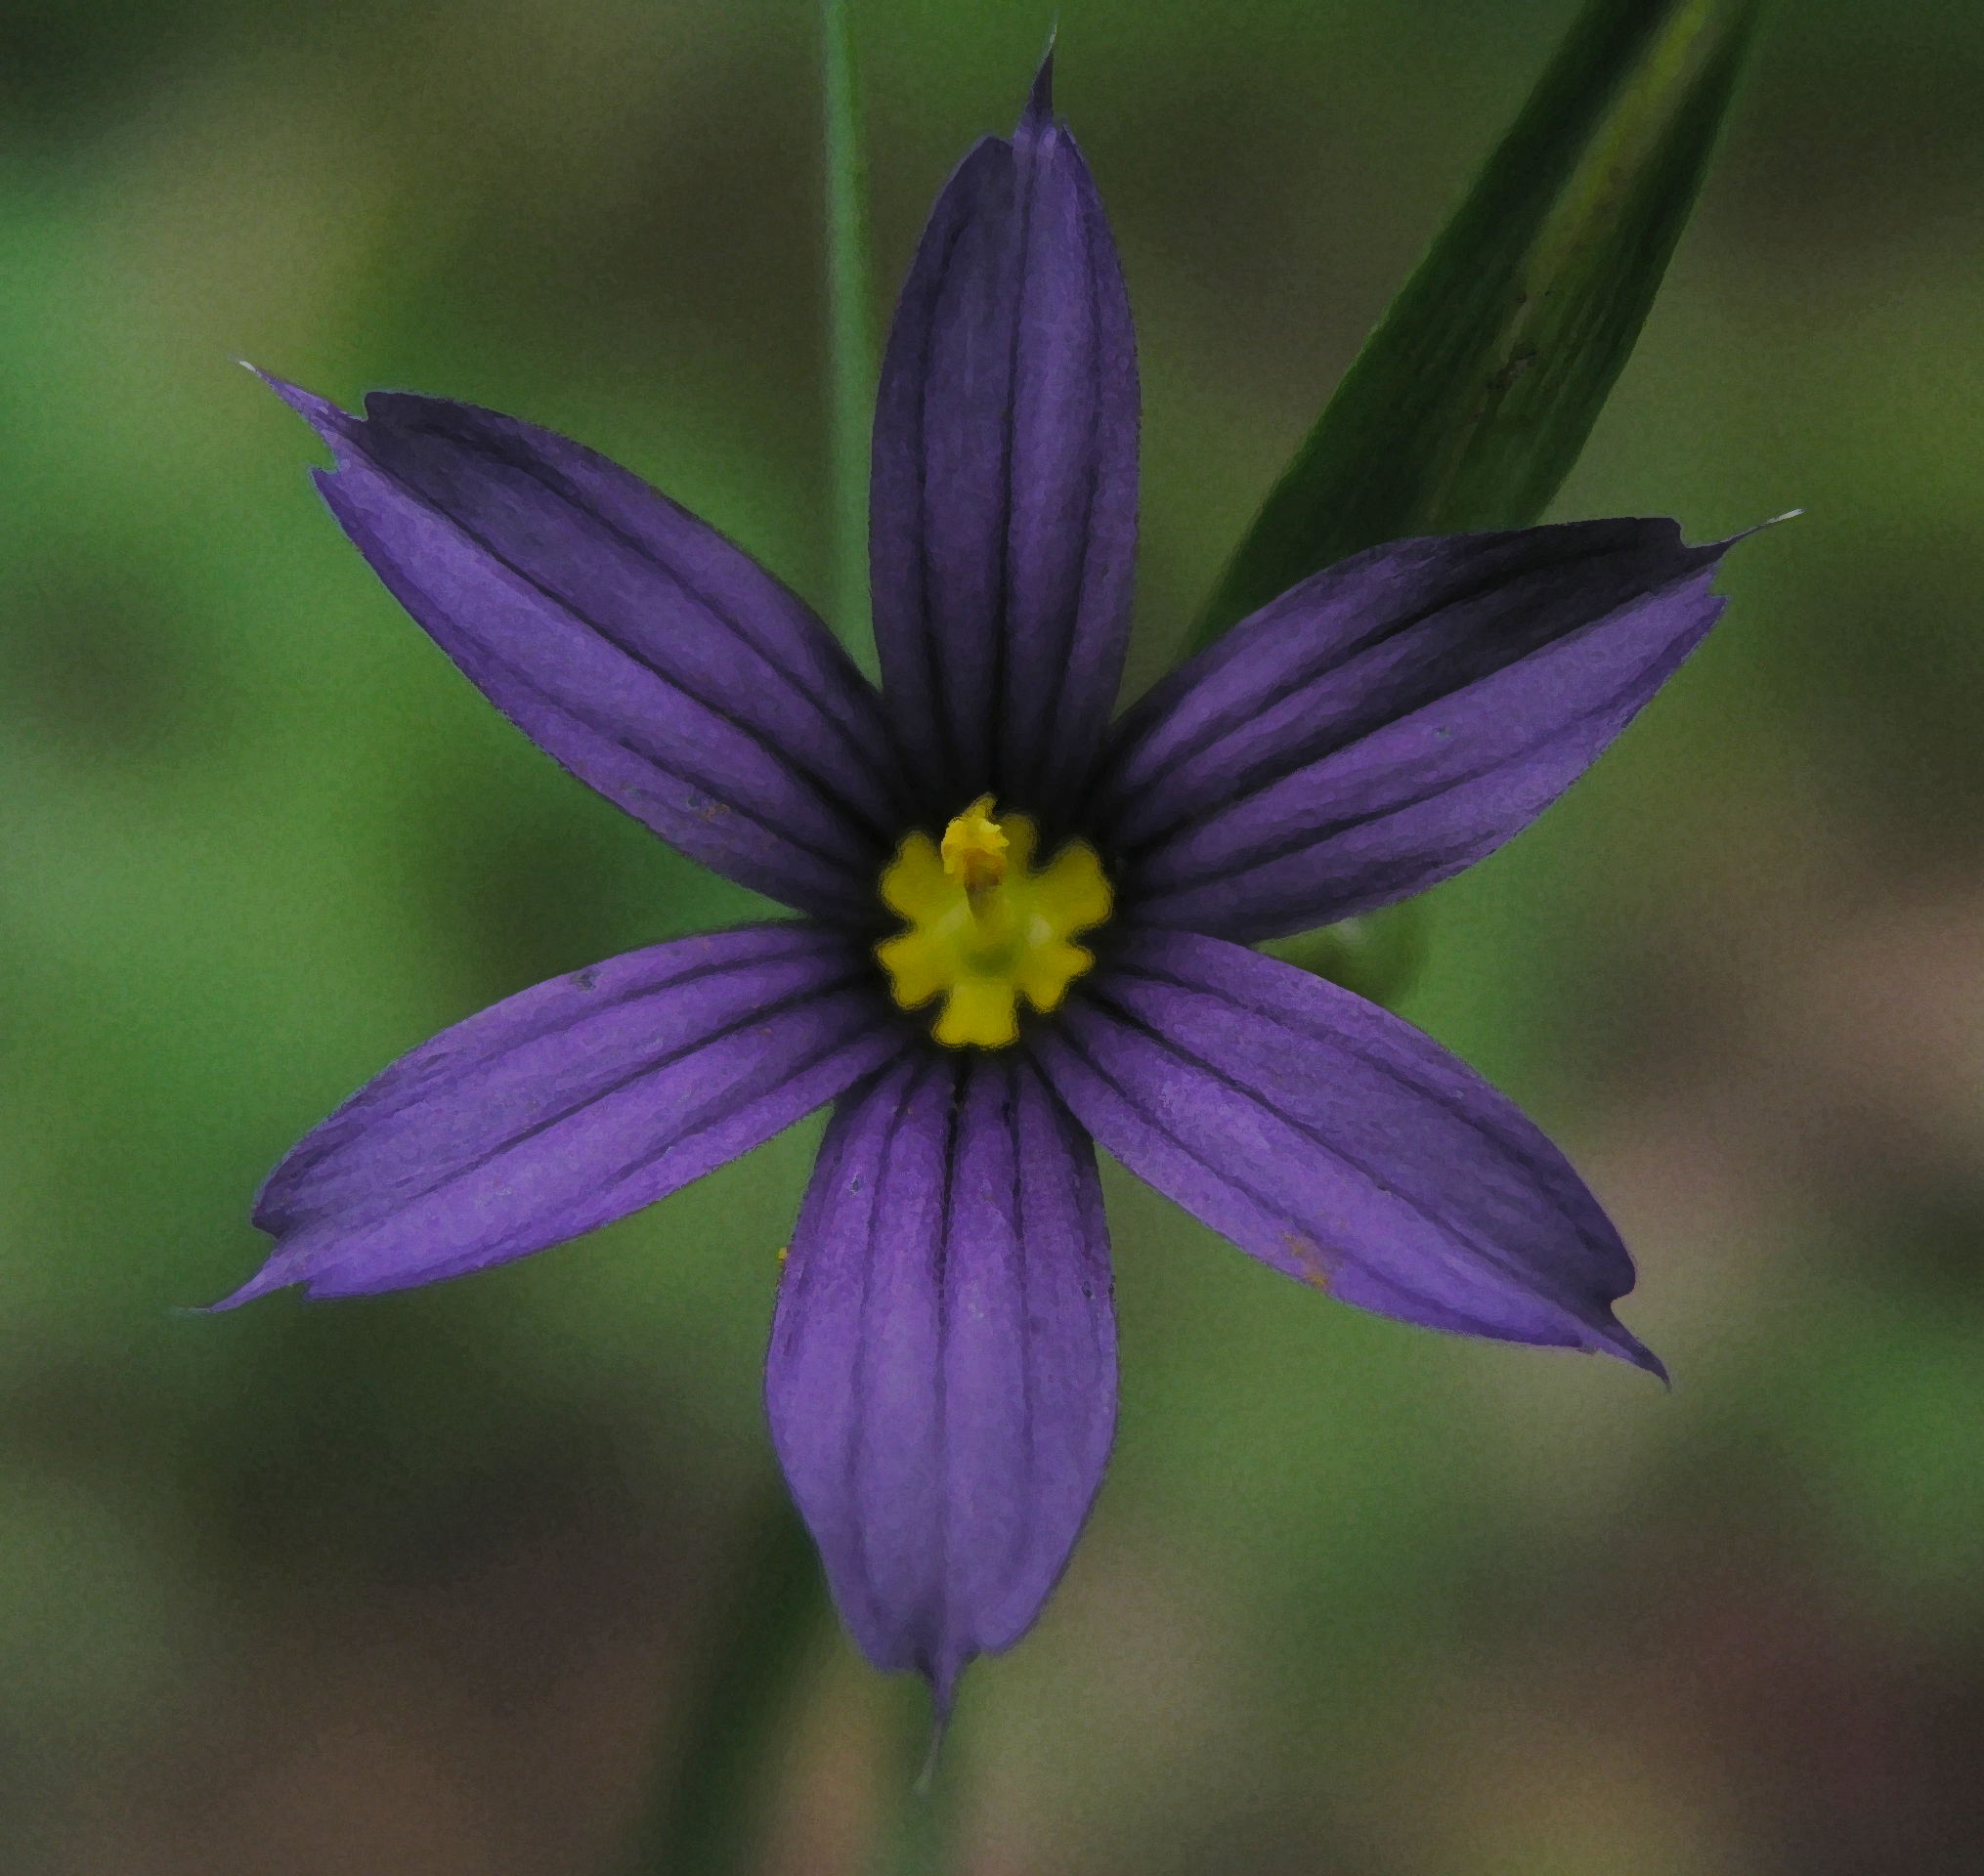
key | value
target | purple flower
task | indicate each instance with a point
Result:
(941, 1378)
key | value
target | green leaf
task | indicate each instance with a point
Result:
(1469, 404)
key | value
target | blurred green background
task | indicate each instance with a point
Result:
(417, 1585)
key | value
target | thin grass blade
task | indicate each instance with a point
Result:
(1470, 402)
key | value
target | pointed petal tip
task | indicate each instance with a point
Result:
(944, 1511)
(942, 1692)
(1789, 514)
(1717, 548)
(1039, 111)
(272, 1276)
(322, 415)
(1621, 1340)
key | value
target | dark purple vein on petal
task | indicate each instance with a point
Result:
(1120, 966)
(1020, 1543)
(1296, 1225)
(715, 1117)
(1317, 1138)
(1028, 176)
(1274, 1206)
(1301, 840)
(940, 1274)
(1328, 662)
(1049, 710)
(556, 484)
(570, 1016)
(927, 634)
(858, 1417)
(782, 758)
(751, 1019)
(475, 655)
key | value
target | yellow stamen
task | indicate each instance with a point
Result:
(984, 927)
(975, 848)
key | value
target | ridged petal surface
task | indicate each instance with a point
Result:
(1336, 1143)
(1004, 506)
(573, 1104)
(656, 661)
(942, 1376)
(1391, 721)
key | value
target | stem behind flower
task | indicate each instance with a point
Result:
(850, 336)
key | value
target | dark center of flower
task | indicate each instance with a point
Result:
(985, 929)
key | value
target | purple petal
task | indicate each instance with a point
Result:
(1004, 514)
(573, 1104)
(657, 662)
(942, 1377)
(1392, 720)
(1336, 1143)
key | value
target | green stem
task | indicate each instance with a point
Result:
(704, 1820)
(850, 337)
(706, 1817)
(918, 1846)
(912, 1836)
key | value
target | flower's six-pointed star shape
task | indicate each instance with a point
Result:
(1023, 930)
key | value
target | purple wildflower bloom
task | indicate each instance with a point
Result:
(941, 1378)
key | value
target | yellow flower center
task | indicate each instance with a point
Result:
(984, 927)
